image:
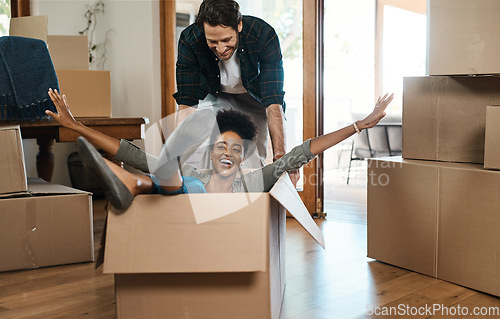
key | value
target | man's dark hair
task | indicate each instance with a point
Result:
(238, 122)
(219, 12)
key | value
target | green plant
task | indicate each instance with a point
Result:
(91, 16)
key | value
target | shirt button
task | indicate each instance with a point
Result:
(216, 92)
(218, 75)
(242, 50)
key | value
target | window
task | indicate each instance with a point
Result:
(286, 19)
(4, 17)
(402, 47)
(369, 46)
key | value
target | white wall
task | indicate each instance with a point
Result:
(133, 57)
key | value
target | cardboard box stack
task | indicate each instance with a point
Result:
(203, 255)
(42, 224)
(12, 167)
(88, 91)
(436, 210)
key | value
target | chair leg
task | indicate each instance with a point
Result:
(350, 162)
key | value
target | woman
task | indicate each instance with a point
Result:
(229, 144)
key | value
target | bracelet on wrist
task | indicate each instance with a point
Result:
(356, 127)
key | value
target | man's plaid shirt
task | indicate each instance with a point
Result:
(260, 61)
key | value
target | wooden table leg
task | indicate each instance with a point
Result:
(45, 158)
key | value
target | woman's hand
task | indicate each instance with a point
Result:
(378, 112)
(63, 115)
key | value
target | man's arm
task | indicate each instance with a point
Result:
(271, 88)
(187, 72)
(276, 124)
(183, 112)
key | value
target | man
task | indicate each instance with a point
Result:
(227, 60)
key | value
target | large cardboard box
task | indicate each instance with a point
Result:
(439, 219)
(402, 201)
(88, 92)
(492, 138)
(203, 255)
(49, 225)
(12, 166)
(469, 224)
(29, 27)
(463, 37)
(444, 117)
(69, 52)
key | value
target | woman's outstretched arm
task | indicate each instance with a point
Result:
(324, 142)
(64, 117)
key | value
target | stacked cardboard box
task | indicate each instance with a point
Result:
(88, 91)
(42, 224)
(203, 255)
(436, 210)
(12, 167)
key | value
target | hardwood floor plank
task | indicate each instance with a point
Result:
(346, 304)
(382, 272)
(465, 308)
(46, 295)
(420, 304)
(13, 277)
(52, 280)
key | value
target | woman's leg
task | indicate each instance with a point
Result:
(120, 185)
(135, 183)
(143, 184)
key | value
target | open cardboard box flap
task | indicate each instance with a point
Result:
(198, 232)
(39, 187)
(286, 194)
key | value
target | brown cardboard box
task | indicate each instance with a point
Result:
(88, 92)
(463, 37)
(49, 225)
(203, 255)
(444, 117)
(69, 52)
(29, 27)
(402, 200)
(439, 219)
(469, 227)
(492, 138)
(12, 167)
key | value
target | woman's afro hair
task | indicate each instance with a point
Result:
(238, 122)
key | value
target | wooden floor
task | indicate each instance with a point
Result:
(338, 282)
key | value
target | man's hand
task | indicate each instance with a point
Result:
(294, 177)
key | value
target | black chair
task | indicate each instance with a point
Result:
(379, 141)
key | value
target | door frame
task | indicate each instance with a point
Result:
(312, 195)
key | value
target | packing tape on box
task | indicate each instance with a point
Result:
(31, 228)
